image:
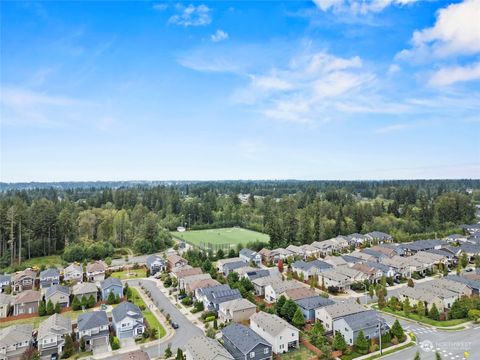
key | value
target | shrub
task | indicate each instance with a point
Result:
(115, 343)
(209, 318)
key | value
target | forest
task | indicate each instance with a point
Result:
(96, 220)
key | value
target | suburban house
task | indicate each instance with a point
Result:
(473, 284)
(296, 251)
(260, 284)
(14, 340)
(279, 333)
(335, 260)
(127, 320)
(58, 294)
(111, 285)
(213, 296)
(416, 295)
(328, 314)
(73, 273)
(374, 275)
(310, 251)
(356, 239)
(248, 256)
(51, 336)
(253, 273)
(135, 355)
(24, 280)
(421, 245)
(387, 251)
(174, 261)
(379, 237)
(192, 287)
(155, 264)
(387, 271)
(334, 279)
(245, 344)
(187, 270)
(370, 322)
(49, 278)
(299, 293)
(184, 283)
(273, 290)
(309, 305)
(93, 328)
(275, 255)
(26, 302)
(85, 290)
(222, 262)
(203, 348)
(5, 281)
(5, 304)
(232, 266)
(306, 270)
(236, 310)
(96, 271)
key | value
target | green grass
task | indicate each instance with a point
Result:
(220, 238)
(130, 274)
(149, 316)
(391, 351)
(426, 320)
(302, 353)
(47, 261)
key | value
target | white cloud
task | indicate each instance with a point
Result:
(450, 75)
(392, 128)
(219, 36)
(191, 15)
(455, 32)
(359, 7)
(393, 68)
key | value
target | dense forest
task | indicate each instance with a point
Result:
(92, 220)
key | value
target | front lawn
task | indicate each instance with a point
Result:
(39, 262)
(424, 319)
(130, 274)
(147, 313)
(298, 354)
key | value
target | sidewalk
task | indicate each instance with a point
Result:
(389, 349)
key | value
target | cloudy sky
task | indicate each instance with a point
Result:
(329, 89)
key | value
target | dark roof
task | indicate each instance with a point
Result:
(470, 248)
(351, 259)
(318, 264)
(5, 278)
(372, 252)
(154, 258)
(248, 253)
(234, 265)
(363, 319)
(379, 235)
(244, 338)
(442, 252)
(474, 284)
(111, 281)
(92, 320)
(423, 245)
(52, 272)
(382, 267)
(314, 302)
(252, 275)
(57, 288)
(126, 309)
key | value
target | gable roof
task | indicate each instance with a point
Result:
(25, 273)
(135, 355)
(55, 324)
(52, 272)
(56, 288)
(363, 320)
(84, 288)
(174, 258)
(92, 320)
(97, 266)
(153, 259)
(5, 299)
(125, 309)
(244, 338)
(5, 278)
(237, 304)
(283, 285)
(15, 334)
(27, 297)
(111, 281)
(271, 324)
(248, 253)
(204, 348)
(72, 267)
(340, 309)
(300, 293)
(314, 302)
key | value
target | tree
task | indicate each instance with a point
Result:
(397, 331)
(42, 309)
(168, 351)
(280, 302)
(317, 334)
(288, 310)
(30, 354)
(371, 292)
(410, 283)
(381, 299)
(298, 320)
(58, 308)
(76, 305)
(115, 343)
(421, 308)
(179, 354)
(339, 342)
(280, 265)
(417, 356)
(50, 308)
(406, 307)
(82, 344)
(361, 343)
(68, 348)
(438, 356)
(464, 259)
(91, 301)
(111, 298)
(220, 254)
(433, 313)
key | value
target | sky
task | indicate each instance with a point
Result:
(323, 89)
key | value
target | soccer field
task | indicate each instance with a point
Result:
(220, 238)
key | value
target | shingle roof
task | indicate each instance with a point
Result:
(244, 338)
(92, 320)
(248, 253)
(363, 320)
(203, 348)
(5, 278)
(15, 334)
(84, 288)
(314, 302)
(300, 293)
(154, 258)
(344, 308)
(57, 288)
(135, 355)
(52, 272)
(234, 265)
(97, 266)
(125, 309)
(111, 281)
(5, 299)
(56, 324)
(27, 297)
(271, 324)
(237, 304)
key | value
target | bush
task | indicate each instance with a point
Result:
(209, 318)
(115, 343)
(187, 301)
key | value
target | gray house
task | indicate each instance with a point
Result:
(127, 321)
(245, 344)
(229, 267)
(86, 290)
(14, 340)
(370, 322)
(155, 264)
(248, 256)
(93, 328)
(111, 285)
(213, 296)
(309, 305)
(49, 278)
(203, 348)
(51, 336)
(5, 281)
(26, 302)
(58, 294)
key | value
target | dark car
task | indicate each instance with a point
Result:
(175, 325)
(182, 296)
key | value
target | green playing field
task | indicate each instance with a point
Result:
(220, 238)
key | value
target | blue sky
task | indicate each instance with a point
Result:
(329, 89)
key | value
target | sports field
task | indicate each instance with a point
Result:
(220, 238)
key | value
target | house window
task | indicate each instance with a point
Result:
(252, 354)
(265, 351)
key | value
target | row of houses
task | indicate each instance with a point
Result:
(126, 321)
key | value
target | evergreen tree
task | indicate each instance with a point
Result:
(397, 331)
(298, 320)
(361, 343)
(42, 309)
(433, 313)
(168, 351)
(417, 356)
(438, 356)
(76, 305)
(68, 348)
(58, 308)
(421, 308)
(50, 308)
(179, 354)
(339, 342)
(111, 298)
(91, 300)
(280, 302)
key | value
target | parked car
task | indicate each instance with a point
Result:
(175, 325)
(182, 296)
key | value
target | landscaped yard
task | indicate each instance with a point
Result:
(426, 320)
(47, 261)
(220, 238)
(149, 316)
(302, 353)
(130, 274)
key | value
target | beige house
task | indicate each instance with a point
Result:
(26, 302)
(236, 310)
(5, 303)
(14, 340)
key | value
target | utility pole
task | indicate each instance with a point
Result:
(380, 335)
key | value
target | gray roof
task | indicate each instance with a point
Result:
(252, 275)
(379, 266)
(5, 278)
(244, 338)
(110, 281)
(341, 309)
(55, 324)
(234, 265)
(314, 302)
(351, 259)
(154, 258)
(204, 348)
(363, 319)
(270, 323)
(373, 253)
(474, 284)
(92, 320)
(248, 253)
(57, 288)
(125, 309)
(423, 244)
(84, 288)
(15, 334)
(5, 299)
(379, 235)
(52, 272)
(306, 266)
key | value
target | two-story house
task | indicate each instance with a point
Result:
(73, 273)
(5, 282)
(245, 344)
(248, 256)
(86, 290)
(93, 328)
(26, 302)
(278, 332)
(96, 271)
(51, 336)
(14, 340)
(127, 321)
(203, 348)
(5, 304)
(49, 278)
(24, 280)
(111, 285)
(155, 264)
(370, 322)
(58, 294)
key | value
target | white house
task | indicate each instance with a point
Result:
(51, 335)
(127, 321)
(278, 332)
(73, 273)
(273, 290)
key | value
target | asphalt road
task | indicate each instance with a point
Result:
(450, 344)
